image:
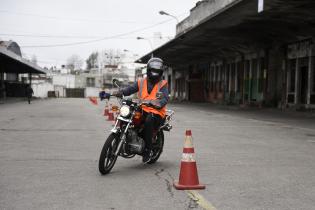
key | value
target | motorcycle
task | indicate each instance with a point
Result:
(126, 137)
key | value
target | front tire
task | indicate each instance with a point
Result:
(107, 158)
(157, 149)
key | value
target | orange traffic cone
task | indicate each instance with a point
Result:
(188, 176)
(106, 111)
(93, 100)
(110, 114)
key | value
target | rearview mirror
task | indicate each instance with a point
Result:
(116, 82)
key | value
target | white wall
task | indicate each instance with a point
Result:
(90, 91)
(66, 80)
(40, 90)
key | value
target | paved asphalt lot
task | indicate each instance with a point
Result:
(249, 160)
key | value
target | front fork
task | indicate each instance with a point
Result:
(123, 136)
(122, 141)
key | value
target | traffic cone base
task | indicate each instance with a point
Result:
(188, 177)
(188, 187)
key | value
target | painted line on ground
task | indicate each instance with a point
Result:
(200, 200)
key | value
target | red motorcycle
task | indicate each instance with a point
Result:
(126, 138)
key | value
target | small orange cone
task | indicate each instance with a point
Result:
(110, 114)
(93, 100)
(188, 176)
(106, 111)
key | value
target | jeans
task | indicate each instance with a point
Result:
(151, 124)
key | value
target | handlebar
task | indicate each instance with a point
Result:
(140, 103)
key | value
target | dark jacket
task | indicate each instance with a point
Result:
(29, 92)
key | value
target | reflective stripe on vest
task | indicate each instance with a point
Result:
(144, 95)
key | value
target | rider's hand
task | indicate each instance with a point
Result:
(155, 104)
(118, 94)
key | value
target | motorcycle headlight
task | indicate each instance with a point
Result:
(124, 111)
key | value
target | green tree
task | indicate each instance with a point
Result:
(92, 61)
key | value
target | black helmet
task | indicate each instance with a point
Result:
(155, 69)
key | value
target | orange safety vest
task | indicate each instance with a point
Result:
(144, 95)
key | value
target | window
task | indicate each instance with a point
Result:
(90, 82)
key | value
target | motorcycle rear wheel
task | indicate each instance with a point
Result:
(107, 158)
(157, 151)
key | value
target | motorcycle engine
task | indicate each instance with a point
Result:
(136, 144)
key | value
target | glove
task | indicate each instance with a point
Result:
(118, 94)
(107, 96)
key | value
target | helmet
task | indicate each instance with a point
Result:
(155, 69)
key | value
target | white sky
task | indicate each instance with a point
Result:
(69, 21)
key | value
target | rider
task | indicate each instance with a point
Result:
(153, 89)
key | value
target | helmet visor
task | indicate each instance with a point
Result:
(155, 65)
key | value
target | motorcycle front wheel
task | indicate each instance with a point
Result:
(158, 148)
(107, 158)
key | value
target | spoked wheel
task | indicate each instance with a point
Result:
(107, 158)
(158, 148)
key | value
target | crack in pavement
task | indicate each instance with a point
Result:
(167, 182)
(192, 204)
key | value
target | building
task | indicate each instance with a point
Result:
(247, 52)
(12, 69)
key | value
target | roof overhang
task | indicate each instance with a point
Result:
(240, 29)
(13, 63)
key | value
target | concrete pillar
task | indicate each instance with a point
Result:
(250, 80)
(172, 83)
(310, 67)
(1, 85)
(244, 79)
(296, 82)
(215, 79)
(186, 84)
(230, 77)
(30, 78)
(236, 76)
(266, 75)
